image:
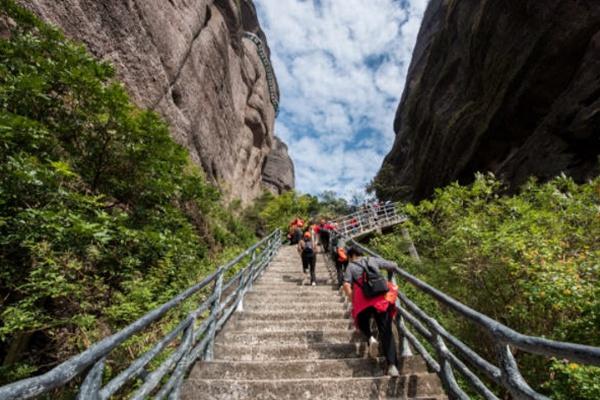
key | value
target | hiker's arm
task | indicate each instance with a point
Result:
(348, 290)
(385, 264)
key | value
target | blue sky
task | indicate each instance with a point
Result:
(341, 67)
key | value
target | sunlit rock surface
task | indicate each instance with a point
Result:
(189, 61)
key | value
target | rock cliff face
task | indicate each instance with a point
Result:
(278, 169)
(507, 87)
(194, 63)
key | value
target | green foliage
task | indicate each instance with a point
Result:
(530, 260)
(270, 212)
(332, 205)
(282, 209)
(102, 216)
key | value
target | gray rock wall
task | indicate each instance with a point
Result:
(511, 87)
(278, 169)
(188, 60)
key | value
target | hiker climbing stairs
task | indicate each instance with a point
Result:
(295, 341)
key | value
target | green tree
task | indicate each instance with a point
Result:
(102, 215)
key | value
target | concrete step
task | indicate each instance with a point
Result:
(253, 324)
(252, 338)
(291, 305)
(325, 290)
(293, 287)
(298, 369)
(303, 369)
(404, 387)
(292, 280)
(238, 352)
(308, 299)
(281, 315)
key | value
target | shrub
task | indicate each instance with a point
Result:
(529, 260)
(102, 215)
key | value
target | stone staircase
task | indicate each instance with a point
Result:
(294, 341)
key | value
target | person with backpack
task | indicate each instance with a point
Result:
(374, 297)
(306, 248)
(341, 261)
(324, 230)
(295, 230)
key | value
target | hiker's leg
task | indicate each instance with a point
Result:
(340, 273)
(384, 324)
(364, 322)
(313, 262)
(305, 262)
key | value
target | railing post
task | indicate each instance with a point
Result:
(412, 250)
(512, 378)
(90, 389)
(405, 349)
(446, 373)
(214, 310)
(246, 282)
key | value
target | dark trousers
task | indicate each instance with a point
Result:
(340, 267)
(324, 235)
(309, 260)
(384, 322)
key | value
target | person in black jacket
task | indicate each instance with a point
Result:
(306, 248)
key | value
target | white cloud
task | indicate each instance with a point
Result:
(341, 66)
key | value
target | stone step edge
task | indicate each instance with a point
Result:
(324, 321)
(378, 360)
(328, 379)
(294, 332)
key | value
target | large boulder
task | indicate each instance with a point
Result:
(511, 87)
(194, 63)
(278, 169)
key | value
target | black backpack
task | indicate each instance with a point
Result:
(373, 283)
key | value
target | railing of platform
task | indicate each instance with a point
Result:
(454, 356)
(193, 339)
(369, 218)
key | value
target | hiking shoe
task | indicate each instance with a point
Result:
(373, 347)
(393, 371)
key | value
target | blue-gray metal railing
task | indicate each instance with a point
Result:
(369, 218)
(452, 355)
(270, 74)
(195, 342)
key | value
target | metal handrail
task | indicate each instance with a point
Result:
(446, 362)
(195, 342)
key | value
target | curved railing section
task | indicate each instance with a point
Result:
(264, 58)
(193, 337)
(452, 355)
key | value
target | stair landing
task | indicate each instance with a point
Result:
(295, 341)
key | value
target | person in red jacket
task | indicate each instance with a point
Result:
(381, 307)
